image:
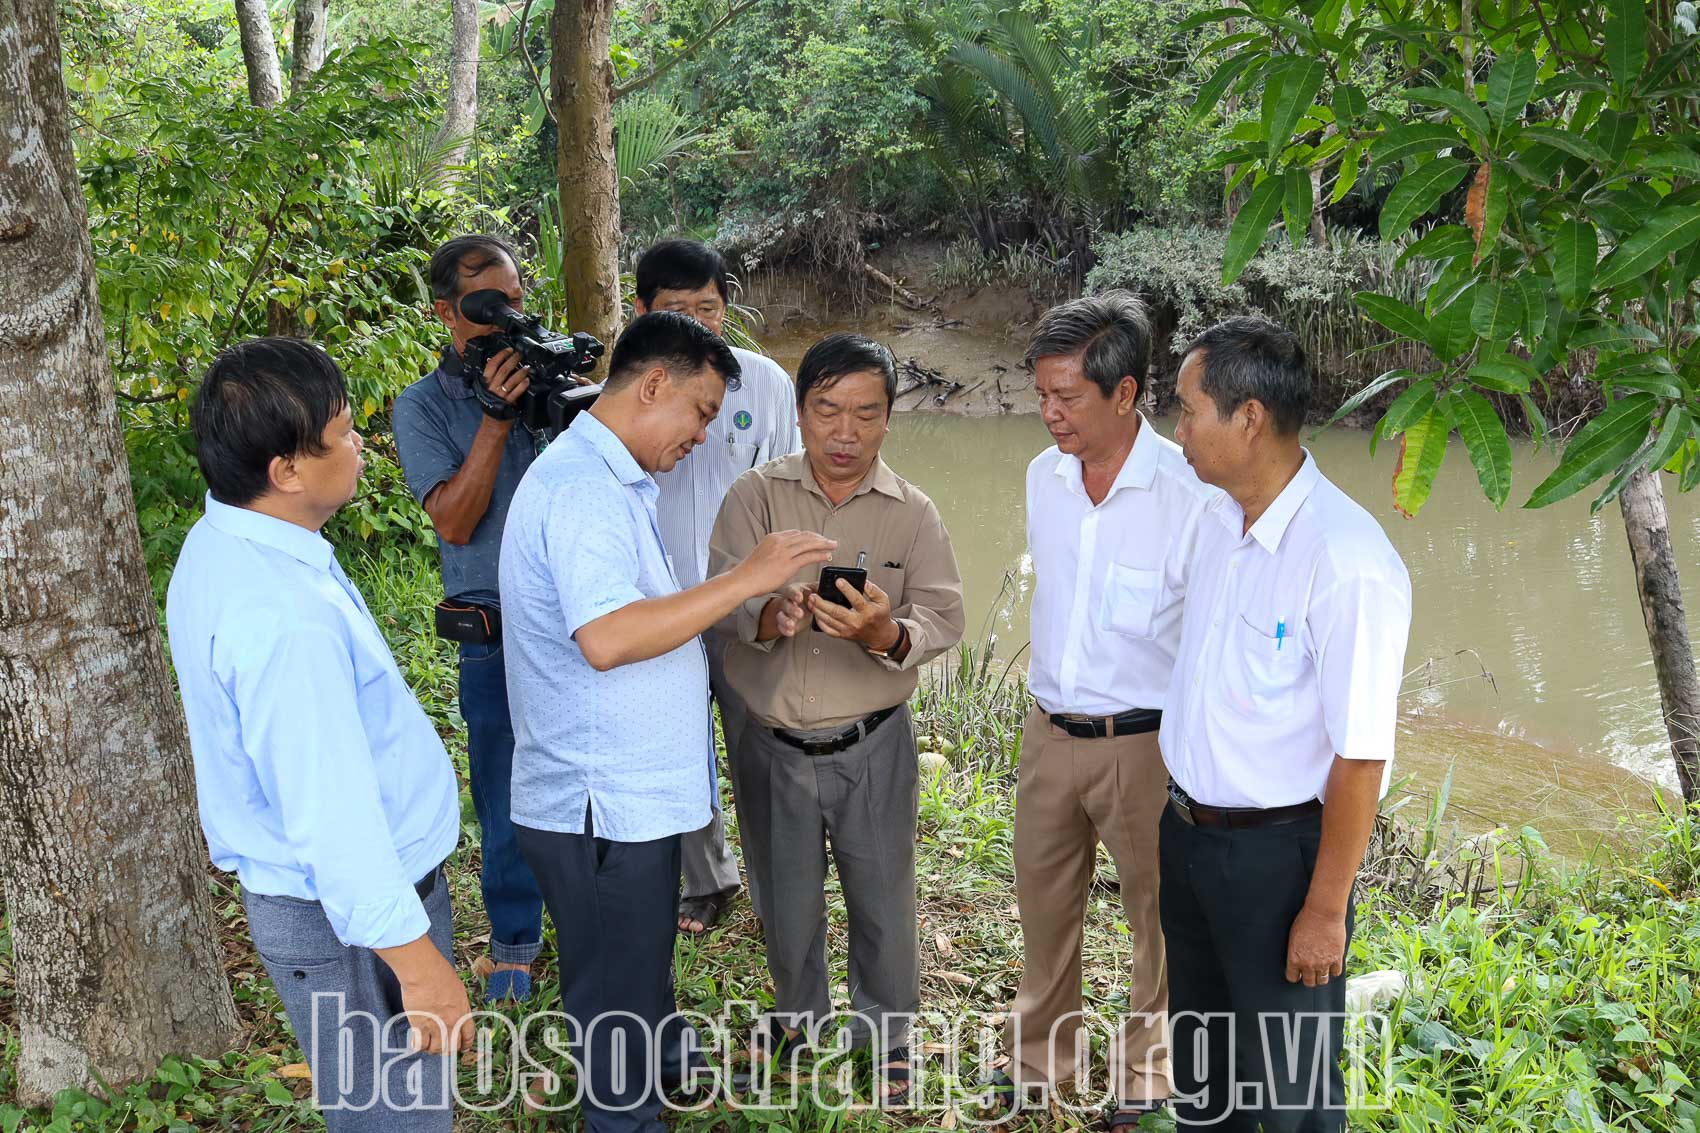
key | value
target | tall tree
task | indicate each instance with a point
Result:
(259, 52)
(582, 95)
(460, 114)
(104, 871)
(312, 36)
(1574, 123)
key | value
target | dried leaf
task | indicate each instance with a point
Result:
(942, 942)
(295, 1070)
(958, 978)
(1475, 205)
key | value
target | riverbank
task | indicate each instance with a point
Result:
(1538, 996)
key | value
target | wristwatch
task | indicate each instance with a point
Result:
(902, 636)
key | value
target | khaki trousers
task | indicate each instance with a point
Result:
(1071, 795)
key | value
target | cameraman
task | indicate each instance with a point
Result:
(463, 465)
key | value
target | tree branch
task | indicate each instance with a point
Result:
(525, 53)
(684, 53)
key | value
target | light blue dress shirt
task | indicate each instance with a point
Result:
(319, 775)
(634, 744)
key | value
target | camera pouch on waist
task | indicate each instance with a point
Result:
(473, 625)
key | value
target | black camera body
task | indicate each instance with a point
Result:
(554, 396)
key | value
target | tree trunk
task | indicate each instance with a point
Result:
(312, 31)
(259, 53)
(1643, 504)
(582, 81)
(460, 114)
(117, 959)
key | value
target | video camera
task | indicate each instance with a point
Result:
(554, 397)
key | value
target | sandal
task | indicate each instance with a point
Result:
(895, 1071)
(706, 911)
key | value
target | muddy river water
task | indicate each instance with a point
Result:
(1529, 675)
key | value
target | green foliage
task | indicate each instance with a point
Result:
(1576, 122)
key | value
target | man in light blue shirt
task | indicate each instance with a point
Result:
(322, 784)
(609, 688)
(757, 423)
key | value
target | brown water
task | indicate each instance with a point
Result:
(1530, 677)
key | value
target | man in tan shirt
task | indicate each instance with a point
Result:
(831, 752)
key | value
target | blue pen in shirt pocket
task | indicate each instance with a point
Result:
(1277, 637)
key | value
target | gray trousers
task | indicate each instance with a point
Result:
(864, 800)
(709, 866)
(344, 1005)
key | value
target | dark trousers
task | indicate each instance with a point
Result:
(511, 898)
(615, 908)
(1228, 899)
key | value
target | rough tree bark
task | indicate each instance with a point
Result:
(312, 31)
(460, 114)
(259, 53)
(582, 86)
(1643, 504)
(101, 858)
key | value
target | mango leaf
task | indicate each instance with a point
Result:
(1498, 310)
(1400, 318)
(1603, 444)
(1421, 450)
(1211, 16)
(1484, 437)
(1296, 205)
(1536, 286)
(1418, 192)
(1679, 161)
(1288, 92)
(1384, 382)
(1408, 408)
(1210, 91)
(1348, 176)
(1671, 229)
(1673, 435)
(1509, 86)
(1506, 373)
(1408, 141)
(1466, 109)
(1612, 132)
(1250, 227)
(1576, 145)
(1450, 332)
(1626, 40)
(1349, 104)
(1443, 242)
(1575, 254)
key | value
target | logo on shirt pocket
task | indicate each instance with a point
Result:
(742, 419)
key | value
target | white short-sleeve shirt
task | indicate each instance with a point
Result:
(1103, 640)
(1292, 647)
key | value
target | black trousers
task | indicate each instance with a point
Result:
(615, 909)
(1270, 1057)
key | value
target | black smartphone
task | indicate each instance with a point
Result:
(829, 576)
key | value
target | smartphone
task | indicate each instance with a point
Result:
(829, 576)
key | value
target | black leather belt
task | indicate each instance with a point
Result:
(1133, 722)
(427, 885)
(1236, 818)
(833, 744)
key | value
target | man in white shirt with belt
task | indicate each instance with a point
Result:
(1278, 735)
(757, 423)
(1103, 506)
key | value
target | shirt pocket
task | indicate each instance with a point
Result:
(1264, 669)
(1130, 597)
(743, 455)
(890, 580)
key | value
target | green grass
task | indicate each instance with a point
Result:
(1543, 995)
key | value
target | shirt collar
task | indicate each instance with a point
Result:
(1138, 470)
(880, 477)
(609, 447)
(257, 527)
(452, 384)
(1272, 525)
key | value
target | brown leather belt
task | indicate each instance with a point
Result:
(1236, 818)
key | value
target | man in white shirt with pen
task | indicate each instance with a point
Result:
(1278, 735)
(1103, 506)
(757, 423)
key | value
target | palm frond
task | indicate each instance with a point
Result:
(649, 131)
